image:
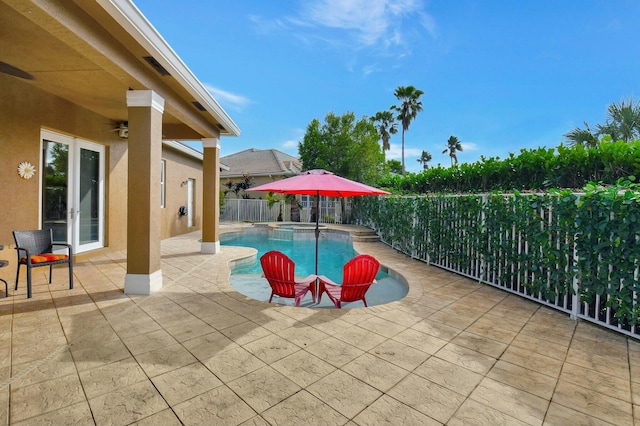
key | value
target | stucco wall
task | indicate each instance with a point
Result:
(24, 111)
(179, 169)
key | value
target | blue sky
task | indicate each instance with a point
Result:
(501, 75)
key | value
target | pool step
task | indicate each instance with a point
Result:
(365, 236)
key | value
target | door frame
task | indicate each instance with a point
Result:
(73, 188)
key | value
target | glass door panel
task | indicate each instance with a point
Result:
(89, 199)
(55, 188)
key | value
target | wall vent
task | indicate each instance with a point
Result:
(198, 105)
(221, 127)
(156, 65)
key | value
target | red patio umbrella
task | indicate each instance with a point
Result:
(319, 182)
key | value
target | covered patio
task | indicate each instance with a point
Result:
(197, 352)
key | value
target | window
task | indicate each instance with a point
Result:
(163, 165)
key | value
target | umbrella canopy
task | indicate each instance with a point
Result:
(319, 182)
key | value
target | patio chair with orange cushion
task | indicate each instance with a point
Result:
(279, 270)
(358, 275)
(36, 249)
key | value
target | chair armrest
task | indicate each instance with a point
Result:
(327, 280)
(68, 246)
(308, 280)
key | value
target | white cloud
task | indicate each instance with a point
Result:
(367, 23)
(228, 99)
(469, 146)
(395, 153)
(291, 144)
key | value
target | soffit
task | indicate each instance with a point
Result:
(78, 52)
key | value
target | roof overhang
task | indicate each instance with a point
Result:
(90, 52)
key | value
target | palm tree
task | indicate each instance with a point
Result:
(623, 123)
(424, 159)
(453, 145)
(580, 136)
(386, 127)
(410, 106)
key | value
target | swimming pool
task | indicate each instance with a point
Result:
(334, 250)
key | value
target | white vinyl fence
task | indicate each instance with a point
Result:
(257, 210)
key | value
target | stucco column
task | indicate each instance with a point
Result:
(144, 275)
(210, 196)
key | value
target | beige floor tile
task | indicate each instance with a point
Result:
(303, 409)
(164, 418)
(209, 345)
(480, 344)
(127, 404)
(474, 413)
(302, 335)
(400, 354)
(111, 377)
(421, 341)
(467, 358)
(334, 351)
(524, 379)
(542, 347)
(76, 414)
(598, 382)
(233, 363)
(271, 348)
(605, 364)
(148, 342)
(327, 324)
(427, 397)
(186, 382)
(382, 326)
(185, 330)
(388, 411)
(492, 330)
(303, 368)
(516, 403)
(218, 406)
(558, 415)
(454, 319)
(59, 364)
(449, 375)
(344, 393)
(403, 318)
(41, 332)
(255, 421)
(245, 333)
(40, 398)
(263, 388)
(38, 350)
(533, 361)
(165, 359)
(593, 403)
(360, 338)
(99, 355)
(375, 371)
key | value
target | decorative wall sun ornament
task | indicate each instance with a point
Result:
(26, 170)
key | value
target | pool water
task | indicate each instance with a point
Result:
(247, 279)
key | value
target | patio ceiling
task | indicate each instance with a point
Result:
(91, 52)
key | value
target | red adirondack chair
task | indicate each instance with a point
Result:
(358, 275)
(279, 270)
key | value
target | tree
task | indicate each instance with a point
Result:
(453, 145)
(394, 166)
(240, 187)
(424, 159)
(580, 136)
(623, 122)
(386, 126)
(410, 106)
(344, 146)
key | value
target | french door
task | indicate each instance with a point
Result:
(73, 190)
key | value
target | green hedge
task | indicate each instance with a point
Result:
(533, 169)
(545, 246)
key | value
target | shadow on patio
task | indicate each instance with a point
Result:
(452, 352)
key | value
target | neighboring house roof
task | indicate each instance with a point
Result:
(260, 162)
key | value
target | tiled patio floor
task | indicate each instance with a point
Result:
(453, 352)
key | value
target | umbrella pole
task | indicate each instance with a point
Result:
(317, 227)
